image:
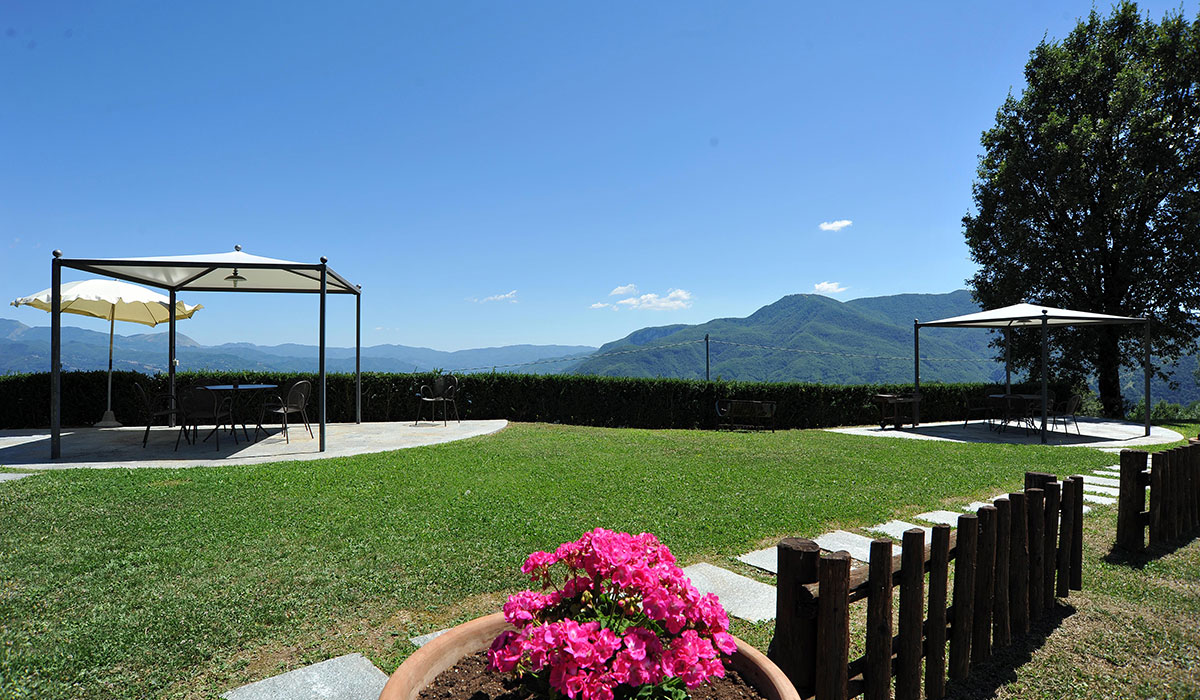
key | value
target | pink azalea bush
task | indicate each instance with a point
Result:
(622, 621)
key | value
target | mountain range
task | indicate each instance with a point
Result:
(27, 349)
(812, 338)
(801, 337)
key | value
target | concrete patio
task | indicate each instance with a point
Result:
(1093, 432)
(107, 448)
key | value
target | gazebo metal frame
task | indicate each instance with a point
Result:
(203, 273)
(1029, 316)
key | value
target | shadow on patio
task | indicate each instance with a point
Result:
(99, 448)
(1093, 432)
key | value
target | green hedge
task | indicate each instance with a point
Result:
(578, 400)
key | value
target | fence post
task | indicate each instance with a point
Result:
(1131, 502)
(833, 627)
(794, 646)
(985, 569)
(878, 673)
(1158, 491)
(1189, 491)
(1172, 501)
(1038, 480)
(1066, 535)
(1001, 620)
(964, 595)
(935, 637)
(1077, 537)
(1018, 566)
(1035, 505)
(912, 614)
(1194, 491)
(1051, 543)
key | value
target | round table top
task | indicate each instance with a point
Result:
(231, 387)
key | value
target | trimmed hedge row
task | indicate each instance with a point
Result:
(572, 399)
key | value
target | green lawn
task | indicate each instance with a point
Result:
(186, 583)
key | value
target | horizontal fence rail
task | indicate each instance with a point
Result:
(1012, 560)
(1173, 478)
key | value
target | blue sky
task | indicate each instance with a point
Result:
(501, 173)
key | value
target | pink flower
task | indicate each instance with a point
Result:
(522, 607)
(562, 635)
(503, 655)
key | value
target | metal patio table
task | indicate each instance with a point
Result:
(235, 388)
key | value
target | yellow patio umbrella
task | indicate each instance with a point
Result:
(113, 301)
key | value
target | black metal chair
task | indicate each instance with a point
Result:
(203, 405)
(975, 407)
(443, 392)
(156, 407)
(297, 402)
(1067, 412)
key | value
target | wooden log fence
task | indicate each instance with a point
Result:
(997, 591)
(1174, 497)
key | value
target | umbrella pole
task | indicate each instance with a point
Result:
(112, 324)
(109, 420)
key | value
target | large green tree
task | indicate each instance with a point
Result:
(1088, 194)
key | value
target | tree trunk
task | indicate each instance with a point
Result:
(1108, 373)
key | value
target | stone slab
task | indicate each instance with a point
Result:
(422, 640)
(1098, 499)
(1100, 480)
(896, 529)
(12, 476)
(740, 596)
(940, 517)
(349, 677)
(976, 505)
(858, 546)
(1096, 488)
(765, 559)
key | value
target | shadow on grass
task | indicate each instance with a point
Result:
(986, 678)
(1138, 560)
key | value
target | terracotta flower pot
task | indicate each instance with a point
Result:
(430, 660)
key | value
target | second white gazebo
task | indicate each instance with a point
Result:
(1028, 316)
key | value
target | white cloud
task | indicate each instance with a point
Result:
(828, 288)
(835, 225)
(624, 290)
(675, 300)
(600, 305)
(511, 298)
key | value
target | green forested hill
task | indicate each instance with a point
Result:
(814, 338)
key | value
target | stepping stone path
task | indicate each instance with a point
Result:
(1098, 487)
(12, 476)
(349, 677)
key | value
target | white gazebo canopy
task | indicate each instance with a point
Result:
(1029, 316)
(1026, 315)
(210, 273)
(213, 272)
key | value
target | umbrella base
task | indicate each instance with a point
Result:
(108, 421)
